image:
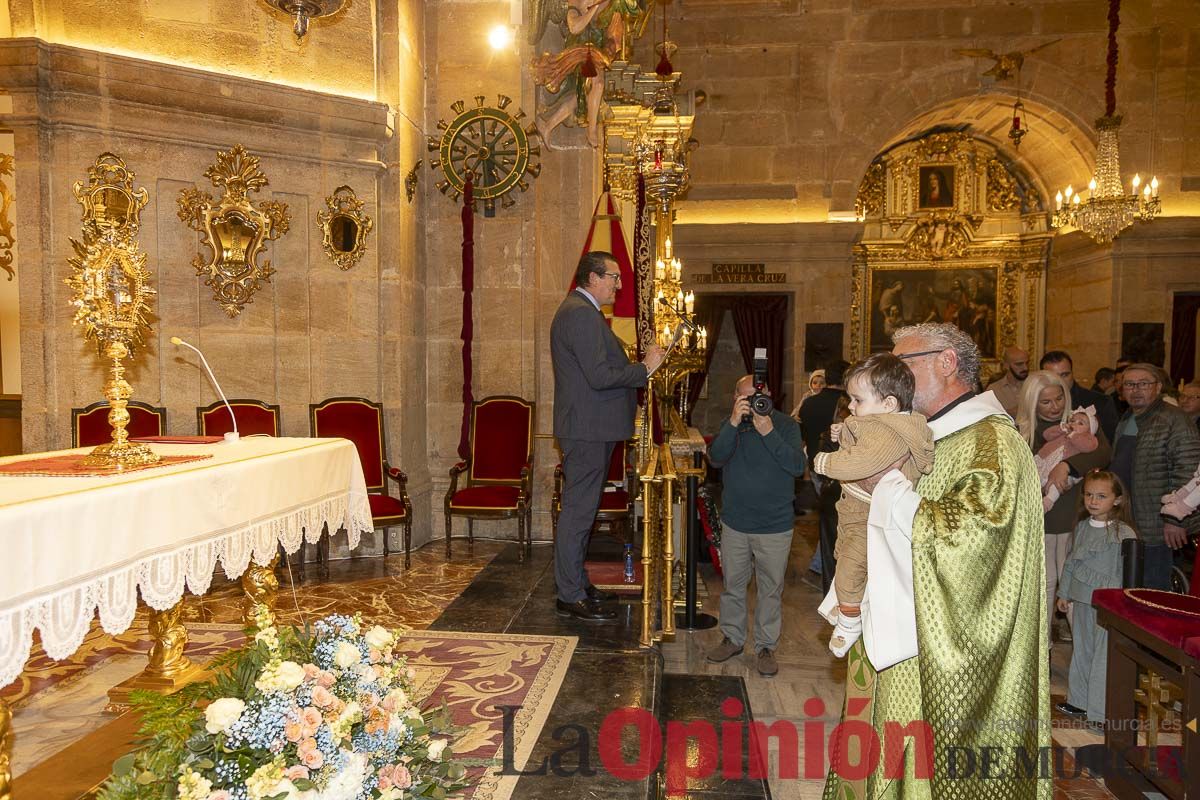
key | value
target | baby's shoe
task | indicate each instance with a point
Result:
(847, 631)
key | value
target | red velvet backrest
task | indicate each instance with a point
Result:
(616, 466)
(501, 439)
(253, 417)
(90, 425)
(360, 421)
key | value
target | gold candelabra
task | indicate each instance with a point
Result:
(111, 288)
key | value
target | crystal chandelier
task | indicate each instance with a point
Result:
(1108, 210)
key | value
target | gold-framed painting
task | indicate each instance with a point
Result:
(964, 296)
(935, 186)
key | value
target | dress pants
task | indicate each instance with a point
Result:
(1058, 545)
(1089, 662)
(766, 555)
(585, 466)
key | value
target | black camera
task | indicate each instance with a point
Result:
(760, 401)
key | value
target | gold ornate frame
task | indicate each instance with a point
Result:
(234, 229)
(344, 208)
(6, 225)
(112, 209)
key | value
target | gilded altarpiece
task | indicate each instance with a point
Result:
(954, 232)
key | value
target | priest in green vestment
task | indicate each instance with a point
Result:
(957, 637)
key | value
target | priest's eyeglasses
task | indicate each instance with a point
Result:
(907, 356)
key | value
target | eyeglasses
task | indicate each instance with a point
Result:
(616, 276)
(907, 356)
(1139, 384)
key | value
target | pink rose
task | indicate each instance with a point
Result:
(373, 655)
(308, 753)
(296, 772)
(326, 679)
(322, 697)
(384, 777)
(388, 704)
(311, 719)
(293, 731)
(401, 777)
(311, 671)
(219, 794)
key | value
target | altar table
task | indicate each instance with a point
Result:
(70, 546)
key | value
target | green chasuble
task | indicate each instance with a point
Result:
(981, 679)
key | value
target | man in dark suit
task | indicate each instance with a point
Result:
(595, 400)
(1059, 362)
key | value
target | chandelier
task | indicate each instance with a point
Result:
(303, 11)
(1108, 210)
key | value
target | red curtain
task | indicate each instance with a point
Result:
(1183, 337)
(468, 324)
(760, 320)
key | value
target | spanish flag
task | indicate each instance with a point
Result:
(607, 234)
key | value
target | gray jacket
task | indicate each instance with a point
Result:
(594, 381)
(1164, 458)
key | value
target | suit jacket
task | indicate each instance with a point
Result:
(594, 381)
(816, 415)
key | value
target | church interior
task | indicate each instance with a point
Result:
(354, 221)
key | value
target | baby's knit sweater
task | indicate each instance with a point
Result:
(870, 443)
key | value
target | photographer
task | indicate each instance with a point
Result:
(760, 455)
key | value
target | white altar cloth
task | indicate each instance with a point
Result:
(71, 545)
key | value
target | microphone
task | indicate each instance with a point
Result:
(684, 321)
(230, 436)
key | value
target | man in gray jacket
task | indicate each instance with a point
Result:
(595, 399)
(1156, 452)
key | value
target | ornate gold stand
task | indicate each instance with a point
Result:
(6, 745)
(169, 669)
(259, 586)
(120, 451)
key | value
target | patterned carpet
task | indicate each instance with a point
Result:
(57, 703)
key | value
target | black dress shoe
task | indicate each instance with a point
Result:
(1070, 710)
(585, 610)
(598, 596)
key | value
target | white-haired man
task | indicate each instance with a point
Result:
(954, 612)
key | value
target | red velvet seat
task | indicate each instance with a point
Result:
(89, 426)
(615, 514)
(361, 421)
(254, 418)
(499, 469)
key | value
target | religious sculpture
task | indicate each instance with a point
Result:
(594, 36)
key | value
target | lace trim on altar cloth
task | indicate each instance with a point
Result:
(64, 618)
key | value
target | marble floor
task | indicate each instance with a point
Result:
(490, 588)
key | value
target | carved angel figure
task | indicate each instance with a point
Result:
(1007, 64)
(594, 35)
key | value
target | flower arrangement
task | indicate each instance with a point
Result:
(320, 714)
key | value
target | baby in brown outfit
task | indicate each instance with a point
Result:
(882, 432)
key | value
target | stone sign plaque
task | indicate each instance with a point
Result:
(739, 273)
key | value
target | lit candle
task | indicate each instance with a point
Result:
(1092, 186)
(1058, 200)
(1146, 191)
(667, 247)
(659, 296)
(660, 269)
(666, 334)
(1154, 186)
(689, 302)
(704, 338)
(679, 300)
(677, 269)
(1067, 194)
(1076, 200)
(1137, 181)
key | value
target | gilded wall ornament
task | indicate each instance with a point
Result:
(6, 198)
(112, 209)
(936, 237)
(345, 227)
(411, 179)
(234, 229)
(869, 202)
(1001, 188)
(489, 145)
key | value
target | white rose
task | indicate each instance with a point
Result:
(289, 675)
(436, 747)
(221, 714)
(414, 713)
(398, 697)
(346, 654)
(391, 793)
(379, 638)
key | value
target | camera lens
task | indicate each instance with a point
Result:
(761, 404)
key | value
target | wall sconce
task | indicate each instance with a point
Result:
(304, 11)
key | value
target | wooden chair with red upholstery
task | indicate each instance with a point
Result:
(615, 514)
(89, 426)
(254, 418)
(499, 469)
(361, 421)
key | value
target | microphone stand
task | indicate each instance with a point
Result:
(230, 436)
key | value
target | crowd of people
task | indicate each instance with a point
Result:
(912, 457)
